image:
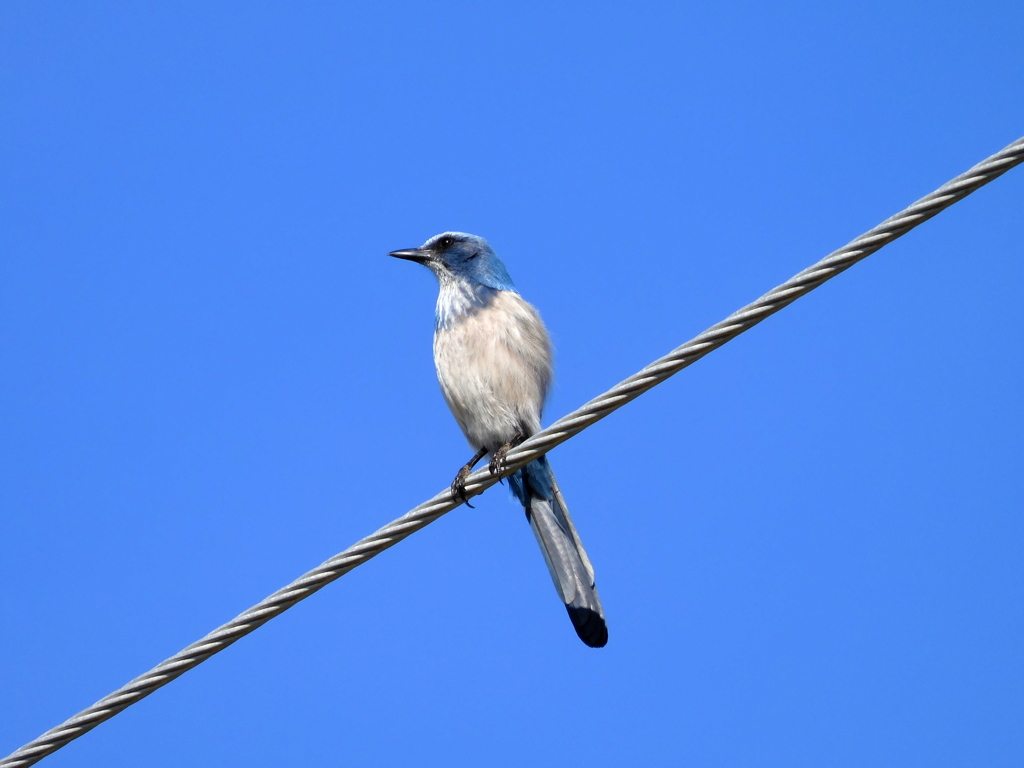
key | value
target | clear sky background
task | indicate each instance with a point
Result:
(809, 545)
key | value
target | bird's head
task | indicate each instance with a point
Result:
(458, 256)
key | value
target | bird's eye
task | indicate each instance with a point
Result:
(446, 242)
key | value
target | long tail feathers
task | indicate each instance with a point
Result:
(567, 561)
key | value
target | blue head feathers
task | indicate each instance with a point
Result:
(456, 256)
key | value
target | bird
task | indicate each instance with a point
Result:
(494, 363)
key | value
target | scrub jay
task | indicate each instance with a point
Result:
(493, 359)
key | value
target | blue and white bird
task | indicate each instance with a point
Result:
(493, 359)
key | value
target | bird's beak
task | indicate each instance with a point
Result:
(421, 255)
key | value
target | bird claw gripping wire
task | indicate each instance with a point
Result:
(459, 487)
(498, 463)
(459, 483)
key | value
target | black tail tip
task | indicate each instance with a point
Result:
(589, 626)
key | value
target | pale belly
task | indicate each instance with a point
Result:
(494, 367)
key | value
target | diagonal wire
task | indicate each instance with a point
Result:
(540, 443)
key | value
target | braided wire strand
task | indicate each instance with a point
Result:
(539, 444)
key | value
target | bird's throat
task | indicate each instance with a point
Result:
(458, 299)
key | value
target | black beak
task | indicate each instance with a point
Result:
(421, 255)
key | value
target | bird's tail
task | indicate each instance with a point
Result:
(535, 487)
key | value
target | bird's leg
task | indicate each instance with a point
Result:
(459, 483)
(497, 464)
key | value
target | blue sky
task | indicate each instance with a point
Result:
(212, 379)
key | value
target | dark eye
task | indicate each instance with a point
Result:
(447, 242)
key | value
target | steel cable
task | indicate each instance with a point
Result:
(540, 443)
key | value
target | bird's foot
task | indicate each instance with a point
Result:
(459, 483)
(498, 464)
(459, 487)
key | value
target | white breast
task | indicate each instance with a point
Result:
(494, 367)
